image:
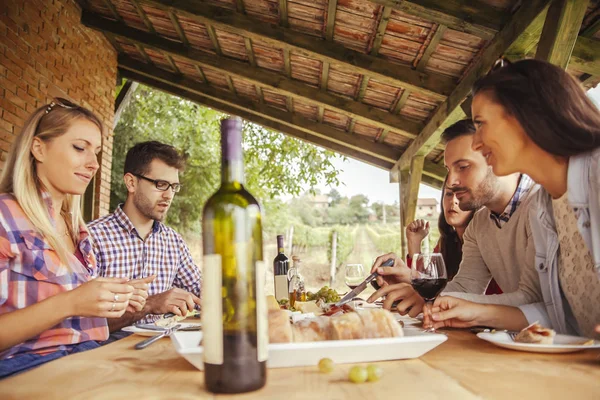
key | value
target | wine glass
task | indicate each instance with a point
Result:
(428, 277)
(355, 274)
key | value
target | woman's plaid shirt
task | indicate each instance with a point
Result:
(30, 271)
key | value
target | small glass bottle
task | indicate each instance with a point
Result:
(297, 289)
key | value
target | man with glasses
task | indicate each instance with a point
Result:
(133, 242)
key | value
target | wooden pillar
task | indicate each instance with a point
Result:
(403, 187)
(560, 32)
(411, 194)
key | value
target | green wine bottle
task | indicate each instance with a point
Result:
(234, 309)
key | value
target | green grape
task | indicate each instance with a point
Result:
(326, 365)
(374, 373)
(358, 374)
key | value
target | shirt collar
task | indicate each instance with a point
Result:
(523, 188)
(125, 222)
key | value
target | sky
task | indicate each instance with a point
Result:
(357, 177)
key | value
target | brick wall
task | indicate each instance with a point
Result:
(45, 52)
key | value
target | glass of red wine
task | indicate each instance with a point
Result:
(428, 277)
(354, 275)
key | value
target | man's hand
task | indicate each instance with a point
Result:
(140, 293)
(410, 301)
(175, 300)
(450, 312)
(399, 273)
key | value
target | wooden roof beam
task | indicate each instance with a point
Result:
(476, 18)
(229, 108)
(258, 76)
(305, 135)
(449, 111)
(561, 29)
(436, 86)
(180, 82)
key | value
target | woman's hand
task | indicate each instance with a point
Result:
(140, 293)
(416, 231)
(399, 273)
(100, 297)
(450, 312)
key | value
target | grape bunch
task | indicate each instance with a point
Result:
(326, 293)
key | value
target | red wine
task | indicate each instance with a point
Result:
(237, 377)
(352, 287)
(280, 271)
(428, 289)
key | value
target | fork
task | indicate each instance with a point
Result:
(147, 342)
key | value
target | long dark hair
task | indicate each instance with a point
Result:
(450, 243)
(548, 103)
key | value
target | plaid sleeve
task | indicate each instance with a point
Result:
(188, 275)
(5, 255)
(100, 264)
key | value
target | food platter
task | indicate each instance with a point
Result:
(413, 344)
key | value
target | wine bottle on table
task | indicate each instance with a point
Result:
(234, 309)
(280, 271)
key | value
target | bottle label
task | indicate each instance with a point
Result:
(212, 309)
(281, 287)
(262, 323)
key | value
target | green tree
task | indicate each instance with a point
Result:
(359, 205)
(335, 196)
(275, 164)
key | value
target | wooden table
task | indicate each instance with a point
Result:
(464, 367)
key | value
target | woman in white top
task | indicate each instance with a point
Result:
(533, 117)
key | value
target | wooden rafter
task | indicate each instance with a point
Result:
(468, 16)
(142, 14)
(262, 77)
(586, 56)
(591, 30)
(178, 28)
(317, 138)
(113, 10)
(436, 86)
(239, 6)
(383, 22)
(401, 101)
(528, 40)
(412, 193)
(435, 40)
(560, 31)
(122, 99)
(331, 11)
(283, 13)
(181, 83)
(449, 111)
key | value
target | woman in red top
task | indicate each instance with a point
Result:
(452, 225)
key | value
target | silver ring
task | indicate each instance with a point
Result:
(113, 306)
(116, 297)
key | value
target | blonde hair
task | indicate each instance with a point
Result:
(20, 178)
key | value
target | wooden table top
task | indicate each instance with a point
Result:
(464, 367)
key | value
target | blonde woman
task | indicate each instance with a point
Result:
(50, 303)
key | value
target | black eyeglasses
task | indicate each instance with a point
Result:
(64, 103)
(161, 185)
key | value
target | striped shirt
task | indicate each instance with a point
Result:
(31, 271)
(121, 252)
(523, 188)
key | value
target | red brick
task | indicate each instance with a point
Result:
(6, 126)
(12, 118)
(7, 105)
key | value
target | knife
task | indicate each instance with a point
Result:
(359, 289)
(147, 342)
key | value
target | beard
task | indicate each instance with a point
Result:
(480, 195)
(147, 209)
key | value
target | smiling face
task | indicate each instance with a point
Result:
(149, 201)
(454, 216)
(469, 178)
(67, 163)
(499, 136)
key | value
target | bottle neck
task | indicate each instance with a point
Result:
(280, 250)
(232, 172)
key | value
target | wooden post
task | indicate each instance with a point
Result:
(384, 216)
(403, 185)
(560, 32)
(291, 241)
(333, 267)
(412, 189)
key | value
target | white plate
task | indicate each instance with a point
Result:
(562, 343)
(150, 332)
(414, 344)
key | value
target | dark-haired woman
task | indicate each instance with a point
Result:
(452, 224)
(533, 117)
